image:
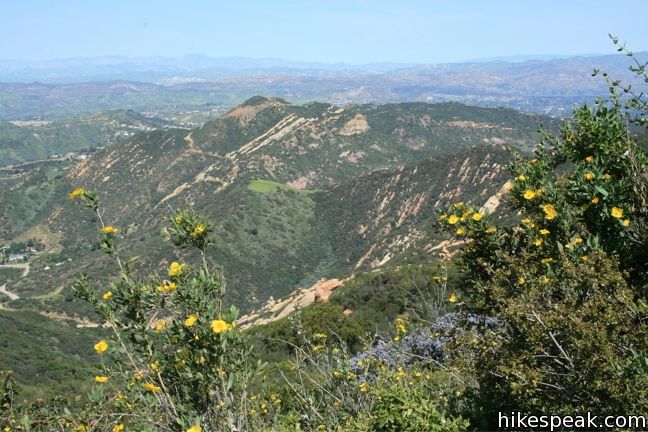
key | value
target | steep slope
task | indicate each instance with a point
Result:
(386, 216)
(356, 187)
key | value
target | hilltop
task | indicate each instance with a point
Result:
(300, 193)
(373, 173)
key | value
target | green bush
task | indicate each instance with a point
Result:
(568, 282)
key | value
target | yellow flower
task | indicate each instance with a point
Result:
(160, 326)
(607, 176)
(219, 326)
(81, 428)
(194, 428)
(364, 388)
(191, 320)
(534, 161)
(118, 428)
(166, 286)
(101, 379)
(529, 194)
(490, 230)
(589, 175)
(544, 280)
(76, 193)
(538, 241)
(453, 219)
(595, 200)
(101, 346)
(177, 220)
(616, 212)
(460, 231)
(321, 427)
(521, 178)
(453, 298)
(577, 240)
(550, 211)
(151, 387)
(589, 158)
(546, 260)
(175, 269)
(107, 295)
(526, 221)
(459, 204)
(110, 230)
(198, 231)
(320, 335)
(521, 280)
(544, 231)
(585, 258)
(442, 217)
(626, 222)
(477, 217)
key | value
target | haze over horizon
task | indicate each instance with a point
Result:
(351, 32)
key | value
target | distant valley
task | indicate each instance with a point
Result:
(207, 87)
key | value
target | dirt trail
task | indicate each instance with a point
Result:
(3, 288)
(5, 291)
(23, 266)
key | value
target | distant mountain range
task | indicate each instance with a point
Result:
(150, 69)
(69, 88)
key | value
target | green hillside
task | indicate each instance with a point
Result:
(299, 193)
(40, 140)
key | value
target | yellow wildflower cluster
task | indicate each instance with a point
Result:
(220, 326)
(109, 230)
(400, 326)
(151, 387)
(198, 231)
(190, 321)
(107, 295)
(76, 193)
(101, 346)
(549, 211)
(166, 286)
(530, 194)
(616, 212)
(175, 269)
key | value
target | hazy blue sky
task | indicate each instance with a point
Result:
(352, 31)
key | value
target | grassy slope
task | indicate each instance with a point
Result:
(46, 356)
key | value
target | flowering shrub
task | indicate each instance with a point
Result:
(568, 282)
(332, 391)
(175, 360)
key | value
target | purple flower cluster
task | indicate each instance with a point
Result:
(423, 345)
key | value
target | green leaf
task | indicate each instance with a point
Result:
(601, 191)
